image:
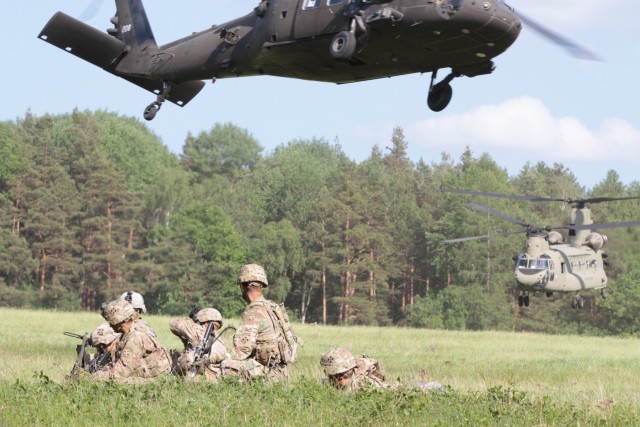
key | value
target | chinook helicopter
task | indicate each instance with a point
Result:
(339, 41)
(548, 264)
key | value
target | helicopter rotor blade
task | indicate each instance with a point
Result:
(603, 199)
(567, 200)
(482, 208)
(486, 236)
(603, 225)
(573, 48)
(503, 196)
(91, 10)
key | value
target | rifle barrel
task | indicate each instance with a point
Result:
(71, 334)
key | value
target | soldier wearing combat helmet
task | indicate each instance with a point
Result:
(137, 302)
(139, 355)
(346, 372)
(264, 344)
(105, 339)
(191, 331)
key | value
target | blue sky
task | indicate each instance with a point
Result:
(540, 104)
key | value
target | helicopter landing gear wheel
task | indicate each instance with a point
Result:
(153, 108)
(549, 294)
(523, 300)
(151, 111)
(439, 96)
(577, 302)
(343, 45)
(440, 93)
(603, 292)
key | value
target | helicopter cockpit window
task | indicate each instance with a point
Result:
(311, 4)
(448, 8)
(543, 262)
(522, 261)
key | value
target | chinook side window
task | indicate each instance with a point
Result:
(311, 4)
(334, 2)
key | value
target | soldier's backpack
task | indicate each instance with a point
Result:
(287, 339)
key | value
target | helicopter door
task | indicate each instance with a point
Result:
(319, 17)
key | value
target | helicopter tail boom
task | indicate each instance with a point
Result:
(106, 52)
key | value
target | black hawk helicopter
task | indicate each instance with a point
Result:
(339, 41)
(548, 264)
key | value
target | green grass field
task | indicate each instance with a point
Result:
(493, 378)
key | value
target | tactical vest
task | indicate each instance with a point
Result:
(284, 346)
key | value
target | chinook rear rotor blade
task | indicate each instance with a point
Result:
(486, 236)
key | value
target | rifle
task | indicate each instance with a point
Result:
(81, 350)
(200, 351)
(98, 362)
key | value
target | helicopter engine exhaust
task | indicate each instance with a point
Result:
(554, 238)
(596, 241)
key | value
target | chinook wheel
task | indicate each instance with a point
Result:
(343, 45)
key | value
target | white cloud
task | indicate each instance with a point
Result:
(524, 129)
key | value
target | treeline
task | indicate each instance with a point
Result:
(93, 204)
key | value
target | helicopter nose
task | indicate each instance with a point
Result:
(491, 26)
(531, 277)
(503, 24)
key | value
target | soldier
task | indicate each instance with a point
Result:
(346, 372)
(105, 340)
(191, 331)
(264, 343)
(136, 300)
(139, 355)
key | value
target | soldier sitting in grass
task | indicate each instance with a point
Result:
(191, 331)
(139, 355)
(104, 339)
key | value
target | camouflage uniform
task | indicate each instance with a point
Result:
(139, 355)
(260, 348)
(363, 372)
(368, 374)
(255, 350)
(192, 333)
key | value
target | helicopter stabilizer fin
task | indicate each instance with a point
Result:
(105, 51)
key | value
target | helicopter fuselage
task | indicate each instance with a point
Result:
(292, 40)
(563, 268)
(339, 41)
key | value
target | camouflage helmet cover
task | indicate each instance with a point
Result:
(117, 312)
(253, 273)
(135, 299)
(103, 334)
(337, 361)
(208, 315)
